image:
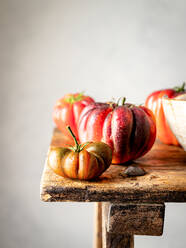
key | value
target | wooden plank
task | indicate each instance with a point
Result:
(118, 241)
(114, 240)
(165, 180)
(105, 235)
(98, 225)
(136, 219)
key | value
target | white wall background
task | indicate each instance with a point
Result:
(49, 48)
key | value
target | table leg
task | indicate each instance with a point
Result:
(113, 240)
(120, 222)
(119, 241)
(98, 225)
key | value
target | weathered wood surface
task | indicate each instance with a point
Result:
(136, 219)
(113, 240)
(165, 180)
(98, 225)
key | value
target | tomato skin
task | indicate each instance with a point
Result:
(67, 111)
(87, 164)
(130, 131)
(154, 102)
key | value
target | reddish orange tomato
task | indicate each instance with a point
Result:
(154, 102)
(85, 161)
(129, 130)
(67, 111)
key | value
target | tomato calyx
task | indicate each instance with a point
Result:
(113, 105)
(78, 147)
(72, 98)
(123, 100)
(180, 89)
(123, 103)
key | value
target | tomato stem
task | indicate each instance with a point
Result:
(123, 101)
(183, 86)
(77, 148)
(180, 89)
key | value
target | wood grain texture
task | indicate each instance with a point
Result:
(136, 219)
(165, 180)
(98, 225)
(113, 240)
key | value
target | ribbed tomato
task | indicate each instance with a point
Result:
(67, 111)
(129, 130)
(85, 162)
(154, 102)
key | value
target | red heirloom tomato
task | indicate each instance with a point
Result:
(129, 130)
(67, 111)
(154, 102)
(86, 161)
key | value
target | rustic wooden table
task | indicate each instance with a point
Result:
(125, 206)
